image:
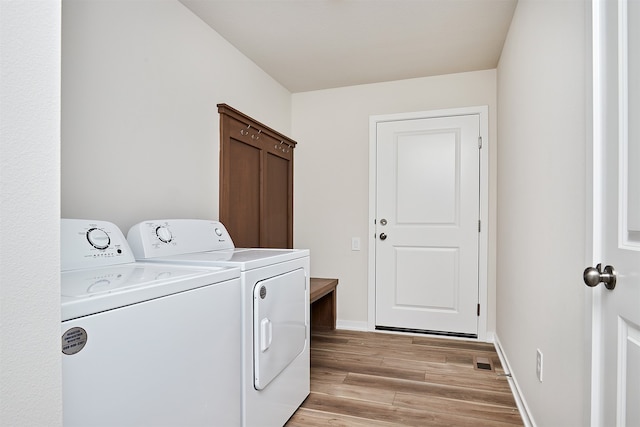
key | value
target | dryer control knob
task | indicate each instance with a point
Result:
(164, 234)
(99, 239)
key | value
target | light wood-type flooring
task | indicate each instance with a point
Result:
(369, 379)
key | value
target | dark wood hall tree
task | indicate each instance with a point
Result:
(256, 181)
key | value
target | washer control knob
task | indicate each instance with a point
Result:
(218, 232)
(99, 239)
(164, 234)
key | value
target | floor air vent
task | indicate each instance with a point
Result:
(482, 363)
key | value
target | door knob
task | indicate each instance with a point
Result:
(594, 276)
(383, 236)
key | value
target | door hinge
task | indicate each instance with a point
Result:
(478, 309)
(479, 226)
(480, 142)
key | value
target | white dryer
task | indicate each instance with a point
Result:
(145, 344)
(275, 309)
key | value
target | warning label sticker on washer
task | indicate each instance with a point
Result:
(74, 340)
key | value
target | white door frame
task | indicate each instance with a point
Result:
(483, 250)
(594, 194)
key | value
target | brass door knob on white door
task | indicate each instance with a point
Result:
(383, 236)
(593, 276)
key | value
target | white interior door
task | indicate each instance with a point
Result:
(616, 319)
(427, 224)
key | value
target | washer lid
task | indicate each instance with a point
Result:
(89, 291)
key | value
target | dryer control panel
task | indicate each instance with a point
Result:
(167, 237)
(91, 244)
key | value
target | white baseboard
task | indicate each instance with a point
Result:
(521, 403)
(490, 337)
(351, 325)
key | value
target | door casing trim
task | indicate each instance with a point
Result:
(483, 250)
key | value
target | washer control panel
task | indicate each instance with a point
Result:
(167, 237)
(91, 244)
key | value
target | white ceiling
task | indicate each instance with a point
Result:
(318, 44)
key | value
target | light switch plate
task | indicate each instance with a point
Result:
(355, 243)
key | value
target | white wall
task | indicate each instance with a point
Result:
(331, 172)
(140, 128)
(542, 110)
(30, 373)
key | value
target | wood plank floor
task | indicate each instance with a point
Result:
(377, 379)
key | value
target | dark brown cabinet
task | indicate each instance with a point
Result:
(256, 181)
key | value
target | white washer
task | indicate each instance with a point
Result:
(145, 344)
(275, 309)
